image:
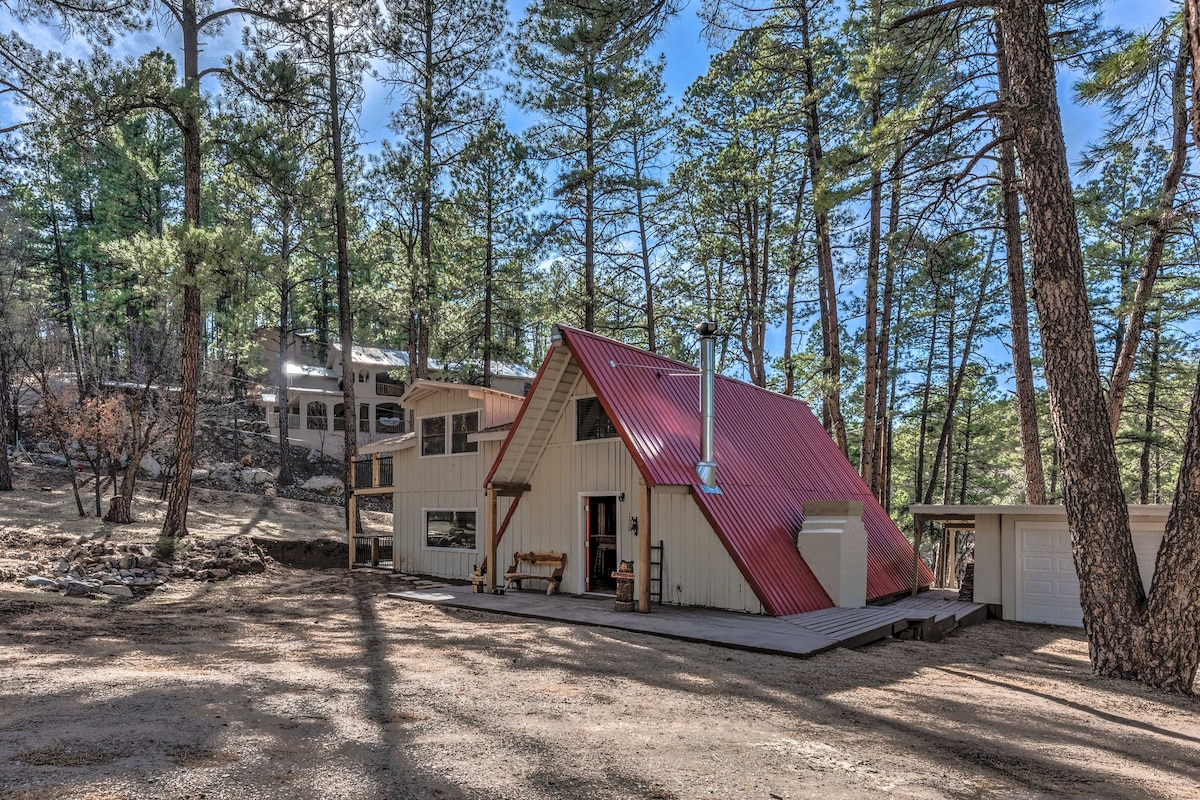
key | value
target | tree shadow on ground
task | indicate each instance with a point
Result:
(313, 684)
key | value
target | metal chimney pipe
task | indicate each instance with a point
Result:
(707, 467)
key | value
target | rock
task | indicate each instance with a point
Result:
(255, 476)
(225, 473)
(247, 442)
(127, 561)
(200, 474)
(147, 562)
(62, 567)
(117, 590)
(243, 565)
(324, 484)
(218, 574)
(149, 465)
(79, 589)
(52, 459)
(38, 582)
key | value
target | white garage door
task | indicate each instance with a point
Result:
(1047, 589)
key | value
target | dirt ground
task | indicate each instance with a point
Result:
(315, 684)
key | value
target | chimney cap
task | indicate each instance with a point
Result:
(707, 329)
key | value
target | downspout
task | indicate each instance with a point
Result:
(707, 466)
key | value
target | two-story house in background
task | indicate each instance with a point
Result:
(316, 415)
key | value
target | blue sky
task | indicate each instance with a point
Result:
(687, 57)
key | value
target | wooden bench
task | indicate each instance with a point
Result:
(522, 562)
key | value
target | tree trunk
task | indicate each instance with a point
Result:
(425, 220)
(1014, 255)
(118, 511)
(286, 478)
(175, 523)
(644, 245)
(881, 478)
(1110, 588)
(589, 204)
(345, 312)
(923, 430)
(867, 451)
(1151, 400)
(1160, 227)
(793, 275)
(6, 476)
(827, 286)
(489, 277)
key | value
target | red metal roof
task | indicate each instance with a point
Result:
(772, 456)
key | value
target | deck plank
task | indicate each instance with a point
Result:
(794, 635)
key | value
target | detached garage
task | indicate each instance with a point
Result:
(1023, 562)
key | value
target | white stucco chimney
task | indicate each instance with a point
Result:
(833, 542)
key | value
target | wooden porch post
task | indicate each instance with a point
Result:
(374, 470)
(642, 577)
(353, 515)
(491, 540)
(918, 521)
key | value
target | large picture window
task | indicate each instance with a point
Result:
(450, 529)
(591, 421)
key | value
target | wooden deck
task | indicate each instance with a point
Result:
(930, 616)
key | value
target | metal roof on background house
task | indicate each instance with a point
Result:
(772, 456)
(500, 369)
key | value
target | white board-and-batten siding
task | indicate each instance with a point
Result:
(697, 569)
(453, 481)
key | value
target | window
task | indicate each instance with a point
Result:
(450, 529)
(433, 436)
(389, 418)
(462, 426)
(364, 417)
(591, 421)
(339, 417)
(388, 386)
(316, 413)
(456, 427)
(362, 376)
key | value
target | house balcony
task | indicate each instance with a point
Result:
(372, 474)
(389, 389)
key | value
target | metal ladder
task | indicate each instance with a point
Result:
(656, 573)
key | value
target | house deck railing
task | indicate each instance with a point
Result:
(374, 551)
(372, 472)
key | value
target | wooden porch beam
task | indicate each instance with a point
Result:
(509, 489)
(491, 540)
(642, 575)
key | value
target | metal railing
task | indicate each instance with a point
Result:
(385, 470)
(372, 472)
(317, 423)
(374, 551)
(389, 389)
(362, 472)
